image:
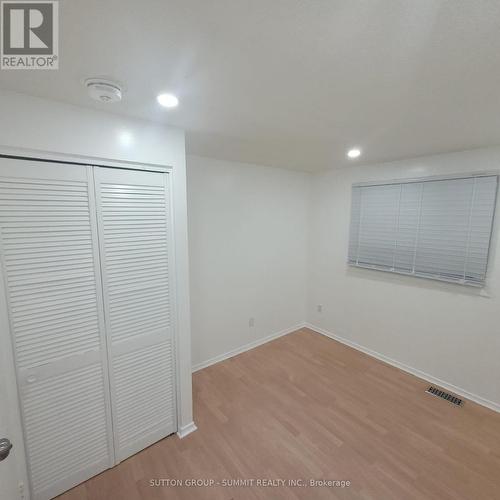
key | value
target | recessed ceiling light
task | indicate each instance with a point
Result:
(168, 100)
(354, 153)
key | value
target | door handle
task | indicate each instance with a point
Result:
(5, 447)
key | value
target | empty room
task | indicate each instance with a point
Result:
(249, 249)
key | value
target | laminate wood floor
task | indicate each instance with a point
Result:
(307, 407)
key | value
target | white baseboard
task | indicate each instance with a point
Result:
(186, 429)
(418, 373)
(246, 347)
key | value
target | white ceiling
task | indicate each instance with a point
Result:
(290, 83)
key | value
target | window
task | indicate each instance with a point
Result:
(433, 228)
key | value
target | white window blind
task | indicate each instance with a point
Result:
(434, 228)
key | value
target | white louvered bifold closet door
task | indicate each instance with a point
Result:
(134, 228)
(51, 272)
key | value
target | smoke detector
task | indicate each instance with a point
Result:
(103, 90)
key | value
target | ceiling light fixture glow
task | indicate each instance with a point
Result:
(354, 153)
(168, 100)
(126, 138)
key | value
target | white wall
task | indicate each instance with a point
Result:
(448, 331)
(40, 128)
(248, 236)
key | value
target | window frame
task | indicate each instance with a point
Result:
(419, 180)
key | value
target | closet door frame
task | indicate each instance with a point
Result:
(9, 372)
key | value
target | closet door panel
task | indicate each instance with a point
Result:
(134, 227)
(51, 273)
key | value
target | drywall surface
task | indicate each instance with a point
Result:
(447, 331)
(248, 248)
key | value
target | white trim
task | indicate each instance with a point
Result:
(186, 429)
(172, 272)
(54, 156)
(413, 371)
(246, 347)
(180, 280)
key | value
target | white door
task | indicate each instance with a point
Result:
(12, 470)
(12, 466)
(50, 265)
(8, 472)
(134, 234)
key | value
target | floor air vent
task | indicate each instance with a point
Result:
(445, 395)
